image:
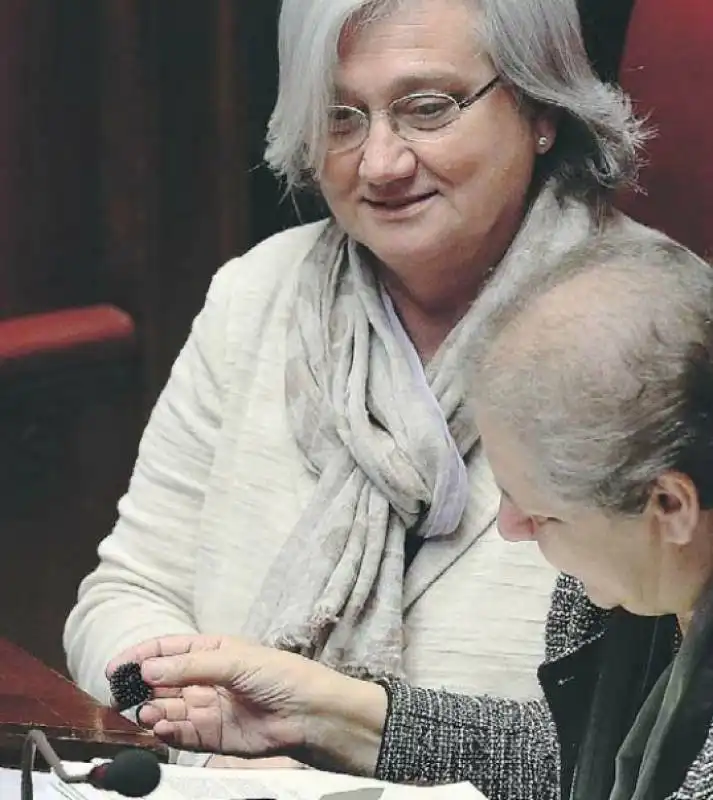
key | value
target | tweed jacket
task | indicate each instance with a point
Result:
(511, 750)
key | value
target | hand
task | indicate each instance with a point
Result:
(232, 762)
(225, 695)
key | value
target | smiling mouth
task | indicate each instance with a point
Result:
(401, 202)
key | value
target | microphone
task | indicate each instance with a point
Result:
(133, 773)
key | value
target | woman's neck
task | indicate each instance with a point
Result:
(432, 301)
(693, 579)
(684, 621)
(431, 298)
(427, 327)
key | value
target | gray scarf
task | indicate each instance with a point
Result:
(386, 440)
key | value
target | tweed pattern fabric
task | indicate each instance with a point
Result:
(507, 749)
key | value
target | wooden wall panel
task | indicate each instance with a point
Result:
(123, 180)
(48, 155)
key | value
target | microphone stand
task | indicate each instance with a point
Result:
(133, 773)
(34, 741)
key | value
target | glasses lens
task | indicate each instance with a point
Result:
(346, 128)
(421, 114)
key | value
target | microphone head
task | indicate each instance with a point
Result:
(133, 773)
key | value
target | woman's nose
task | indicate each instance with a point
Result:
(513, 524)
(385, 155)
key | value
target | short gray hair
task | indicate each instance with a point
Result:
(535, 45)
(611, 389)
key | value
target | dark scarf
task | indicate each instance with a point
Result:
(669, 706)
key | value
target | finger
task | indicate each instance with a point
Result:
(274, 762)
(178, 734)
(162, 646)
(163, 691)
(207, 667)
(173, 710)
(200, 697)
(186, 692)
(191, 699)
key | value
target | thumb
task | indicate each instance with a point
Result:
(207, 667)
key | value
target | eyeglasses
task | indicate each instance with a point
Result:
(419, 117)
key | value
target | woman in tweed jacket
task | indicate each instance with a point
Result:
(606, 462)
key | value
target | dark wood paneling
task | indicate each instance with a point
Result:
(174, 172)
(48, 156)
(123, 181)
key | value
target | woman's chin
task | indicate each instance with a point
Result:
(600, 598)
(410, 252)
(420, 239)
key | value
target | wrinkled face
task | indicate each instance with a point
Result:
(618, 558)
(415, 204)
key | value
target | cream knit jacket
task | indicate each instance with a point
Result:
(219, 484)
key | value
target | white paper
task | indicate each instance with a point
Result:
(191, 783)
(10, 785)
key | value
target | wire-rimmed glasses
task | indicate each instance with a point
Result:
(417, 117)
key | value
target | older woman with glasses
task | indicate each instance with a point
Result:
(311, 477)
(417, 117)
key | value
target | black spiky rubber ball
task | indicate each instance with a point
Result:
(128, 687)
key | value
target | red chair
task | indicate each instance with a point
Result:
(70, 416)
(667, 68)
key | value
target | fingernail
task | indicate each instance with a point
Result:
(152, 671)
(138, 714)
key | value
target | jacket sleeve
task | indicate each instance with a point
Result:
(507, 749)
(143, 585)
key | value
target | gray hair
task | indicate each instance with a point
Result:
(535, 45)
(609, 384)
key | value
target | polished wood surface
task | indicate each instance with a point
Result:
(35, 696)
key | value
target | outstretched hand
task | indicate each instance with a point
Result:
(224, 695)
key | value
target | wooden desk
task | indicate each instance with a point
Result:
(35, 696)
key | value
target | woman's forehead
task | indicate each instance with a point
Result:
(501, 442)
(417, 43)
(514, 468)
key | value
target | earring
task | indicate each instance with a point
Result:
(542, 142)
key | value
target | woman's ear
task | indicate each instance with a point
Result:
(544, 128)
(676, 507)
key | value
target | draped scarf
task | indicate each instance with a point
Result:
(387, 440)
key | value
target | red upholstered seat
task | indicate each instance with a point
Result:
(66, 338)
(667, 68)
